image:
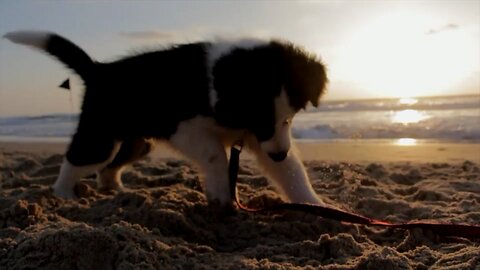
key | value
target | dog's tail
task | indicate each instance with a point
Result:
(63, 49)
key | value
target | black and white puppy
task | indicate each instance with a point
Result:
(199, 98)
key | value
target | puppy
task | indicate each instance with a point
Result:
(199, 98)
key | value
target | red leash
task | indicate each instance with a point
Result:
(445, 229)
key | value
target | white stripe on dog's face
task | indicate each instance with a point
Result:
(280, 142)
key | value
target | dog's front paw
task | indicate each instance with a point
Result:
(314, 200)
(64, 193)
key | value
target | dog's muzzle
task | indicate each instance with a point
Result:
(279, 156)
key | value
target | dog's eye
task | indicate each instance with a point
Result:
(287, 122)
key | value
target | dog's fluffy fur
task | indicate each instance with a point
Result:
(200, 98)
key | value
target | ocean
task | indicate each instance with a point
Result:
(450, 118)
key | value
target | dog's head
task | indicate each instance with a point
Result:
(303, 80)
(263, 87)
(275, 137)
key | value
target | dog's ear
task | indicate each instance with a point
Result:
(307, 83)
(305, 76)
(315, 81)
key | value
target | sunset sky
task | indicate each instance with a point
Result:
(372, 48)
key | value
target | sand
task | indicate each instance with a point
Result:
(161, 220)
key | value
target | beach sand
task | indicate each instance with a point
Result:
(161, 220)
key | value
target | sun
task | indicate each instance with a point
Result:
(399, 55)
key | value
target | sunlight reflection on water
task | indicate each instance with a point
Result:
(406, 141)
(408, 101)
(408, 117)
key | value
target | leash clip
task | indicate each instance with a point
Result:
(238, 145)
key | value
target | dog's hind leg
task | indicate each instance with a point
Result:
(289, 176)
(86, 154)
(132, 149)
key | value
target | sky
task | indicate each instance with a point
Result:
(372, 49)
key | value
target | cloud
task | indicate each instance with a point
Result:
(157, 35)
(191, 34)
(447, 27)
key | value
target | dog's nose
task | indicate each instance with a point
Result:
(279, 156)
